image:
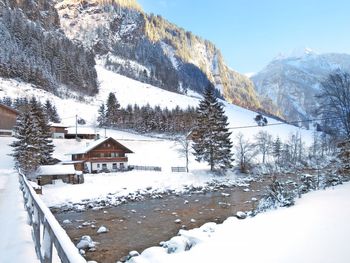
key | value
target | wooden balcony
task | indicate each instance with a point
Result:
(107, 159)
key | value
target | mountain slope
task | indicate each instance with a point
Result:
(150, 49)
(293, 82)
(36, 51)
(129, 91)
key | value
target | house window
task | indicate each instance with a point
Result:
(104, 166)
(98, 165)
(114, 166)
(122, 166)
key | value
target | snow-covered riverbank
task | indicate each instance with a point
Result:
(316, 229)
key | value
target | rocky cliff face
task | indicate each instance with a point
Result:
(42, 12)
(150, 49)
(293, 82)
(34, 49)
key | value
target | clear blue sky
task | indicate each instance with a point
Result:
(250, 33)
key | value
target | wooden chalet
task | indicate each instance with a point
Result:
(58, 130)
(8, 117)
(103, 155)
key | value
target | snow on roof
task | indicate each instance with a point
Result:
(55, 169)
(58, 125)
(9, 108)
(96, 143)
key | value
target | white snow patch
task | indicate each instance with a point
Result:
(316, 229)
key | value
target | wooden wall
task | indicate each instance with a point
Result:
(7, 118)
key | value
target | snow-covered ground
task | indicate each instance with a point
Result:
(316, 229)
(149, 151)
(16, 244)
(129, 91)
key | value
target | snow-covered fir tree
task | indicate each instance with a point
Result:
(112, 109)
(33, 146)
(51, 112)
(277, 149)
(344, 157)
(26, 147)
(211, 138)
(101, 119)
(46, 146)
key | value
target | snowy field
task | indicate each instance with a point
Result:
(148, 151)
(16, 244)
(129, 91)
(315, 230)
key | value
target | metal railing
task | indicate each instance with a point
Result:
(47, 232)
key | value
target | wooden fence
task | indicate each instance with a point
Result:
(145, 168)
(178, 169)
(47, 232)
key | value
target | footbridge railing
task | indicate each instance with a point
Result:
(51, 240)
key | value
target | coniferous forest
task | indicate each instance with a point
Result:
(44, 58)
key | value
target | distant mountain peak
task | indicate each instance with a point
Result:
(299, 52)
(292, 82)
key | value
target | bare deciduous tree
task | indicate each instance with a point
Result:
(264, 144)
(335, 101)
(184, 150)
(244, 151)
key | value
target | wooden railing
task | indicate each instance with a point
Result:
(178, 169)
(145, 168)
(47, 232)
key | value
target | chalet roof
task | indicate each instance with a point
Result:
(55, 170)
(96, 143)
(9, 108)
(57, 125)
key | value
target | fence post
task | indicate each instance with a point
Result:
(41, 218)
(47, 244)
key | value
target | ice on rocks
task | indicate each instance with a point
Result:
(67, 221)
(134, 253)
(178, 221)
(102, 229)
(85, 243)
(176, 244)
(241, 215)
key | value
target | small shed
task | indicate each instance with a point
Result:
(58, 130)
(47, 174)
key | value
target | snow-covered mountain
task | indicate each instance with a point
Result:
(292, 82)
(150, 49)
(35, 50)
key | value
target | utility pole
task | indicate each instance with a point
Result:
(76, 126)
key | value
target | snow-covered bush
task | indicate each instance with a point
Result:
(308, 183)
(278, 195)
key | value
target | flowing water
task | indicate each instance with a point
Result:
(139, 225)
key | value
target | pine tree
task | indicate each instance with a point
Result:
(277, 149)
(46, 147)
(112, 109)
(211, 137)
(26, 148)
(344, 157)
(51, 112)
(101, 119)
